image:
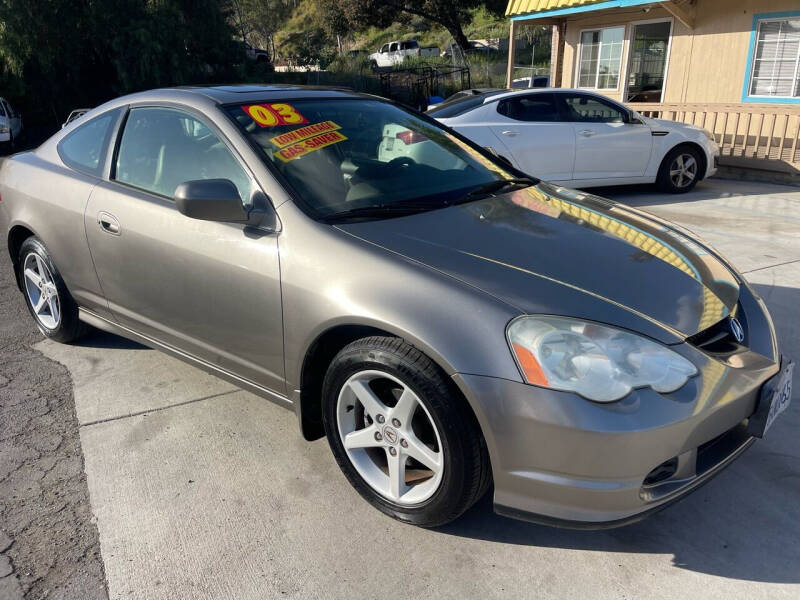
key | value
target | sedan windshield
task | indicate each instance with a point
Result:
(364, 157)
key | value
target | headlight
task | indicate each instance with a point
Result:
(3, 128)
(598, 362)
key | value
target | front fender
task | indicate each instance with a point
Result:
(331, 278)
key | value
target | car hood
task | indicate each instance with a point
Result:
(551, 250)
(663, 124)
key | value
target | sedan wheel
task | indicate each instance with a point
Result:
(46, 294)
(683, 170)
(401, 432)
(680, 170)
(41, 291)
(390, 437)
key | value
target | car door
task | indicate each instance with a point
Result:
(607, 145)
(530, 128)
(209, 289)
(395, 55)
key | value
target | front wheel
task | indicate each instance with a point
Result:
(49, 301)
(401, 434)
(680, 170)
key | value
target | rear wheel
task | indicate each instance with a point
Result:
(680, 170)
(401, 434)
(49, 302)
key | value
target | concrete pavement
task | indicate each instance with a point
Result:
(204, 491)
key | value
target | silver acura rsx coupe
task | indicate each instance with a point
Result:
(449, 323)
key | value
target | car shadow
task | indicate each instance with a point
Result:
(710, 189)
(96, 338)
(745, 524)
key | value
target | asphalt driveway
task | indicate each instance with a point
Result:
(201, 490)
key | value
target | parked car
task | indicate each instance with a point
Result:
(473, 47)
(463, 94)
(78, 112)
(10, 125)
(582, 139)
(446, 320)
(536, 81)
(257, 55)
(395, 53)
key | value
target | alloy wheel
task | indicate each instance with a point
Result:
(41, 291)
(390, 437)
(683, 170)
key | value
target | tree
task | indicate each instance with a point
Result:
(450, 14)
(66, 54)
(257, 21)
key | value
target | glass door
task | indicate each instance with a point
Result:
(648, 61)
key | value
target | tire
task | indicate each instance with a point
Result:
(57, 317)
(676, 175)
(456, 471)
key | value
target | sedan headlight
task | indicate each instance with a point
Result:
(598, 362)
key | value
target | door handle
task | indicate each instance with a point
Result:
(108, 223)
(511, 133)
(587, 133)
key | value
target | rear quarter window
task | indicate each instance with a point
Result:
(84, 148)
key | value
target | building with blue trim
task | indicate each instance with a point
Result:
(676, 51)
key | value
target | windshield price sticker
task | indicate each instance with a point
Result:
(274, 115)
(309, 145)
(292, 137)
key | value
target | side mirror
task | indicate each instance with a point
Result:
(211, 200)
(633, 118)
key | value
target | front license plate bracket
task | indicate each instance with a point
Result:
(774, 399)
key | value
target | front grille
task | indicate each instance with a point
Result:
(715, 451)
(719, 338)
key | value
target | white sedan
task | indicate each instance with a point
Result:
(581, 139)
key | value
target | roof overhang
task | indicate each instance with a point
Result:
(524, 10)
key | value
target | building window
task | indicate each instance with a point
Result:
(600, 58)
(775, 71)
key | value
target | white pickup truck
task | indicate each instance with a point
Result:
(394, 53)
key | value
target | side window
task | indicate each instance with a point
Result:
(536, 107)
(162, 148)
(83, 148)
(585, 109)
(393, 47)
(384, 48)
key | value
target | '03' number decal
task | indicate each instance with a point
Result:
(274, 115)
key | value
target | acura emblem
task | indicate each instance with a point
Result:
(736, 330)
(390, 435)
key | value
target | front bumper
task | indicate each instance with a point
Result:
(713, 152)
(562, 460)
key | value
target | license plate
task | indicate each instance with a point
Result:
(775, 399)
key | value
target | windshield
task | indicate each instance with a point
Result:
(345, 154)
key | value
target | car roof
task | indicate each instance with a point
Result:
(199, 95)
(246, 92)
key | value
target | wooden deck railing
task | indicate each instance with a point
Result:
(762, 136)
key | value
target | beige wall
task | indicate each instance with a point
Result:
(706, 64)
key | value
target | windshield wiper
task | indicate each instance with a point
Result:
(378, 210)
(492, 188)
